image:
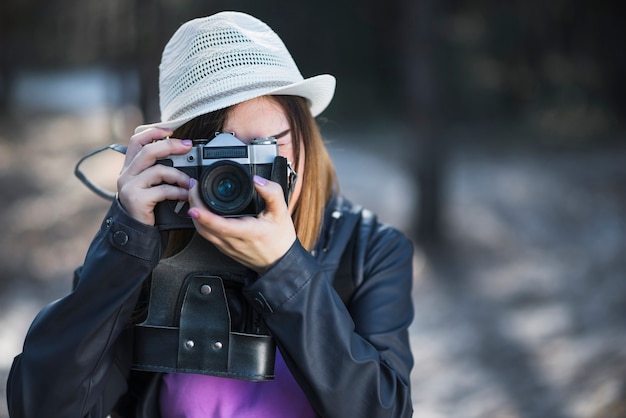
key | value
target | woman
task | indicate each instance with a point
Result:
(341, 353)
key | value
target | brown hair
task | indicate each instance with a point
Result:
(318, 181)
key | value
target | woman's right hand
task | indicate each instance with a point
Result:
(143, 183)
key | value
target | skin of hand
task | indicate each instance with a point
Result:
(143, 183)
(256, 242)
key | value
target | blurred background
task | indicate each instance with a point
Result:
(492, 133)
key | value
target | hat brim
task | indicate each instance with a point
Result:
(318, 90)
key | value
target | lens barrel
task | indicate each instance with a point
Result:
(226, 188)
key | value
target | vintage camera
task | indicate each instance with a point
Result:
(224, 167)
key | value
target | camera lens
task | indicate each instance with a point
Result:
(226, 188)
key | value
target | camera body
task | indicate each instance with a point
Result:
(224, 167)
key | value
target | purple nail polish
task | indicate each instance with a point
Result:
(193, 213)
(192, 182)
(259, 180)
(187, 142)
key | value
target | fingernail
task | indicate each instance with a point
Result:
(193, 213)
(192, 182)
(187, 142)
(258, 180)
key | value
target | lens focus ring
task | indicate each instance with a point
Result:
(226, 188)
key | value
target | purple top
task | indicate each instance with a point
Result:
(198, 396)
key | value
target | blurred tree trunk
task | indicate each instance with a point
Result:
(6, 69)
(423, 113)
(149, 43)
(11, 14)
(6, 82)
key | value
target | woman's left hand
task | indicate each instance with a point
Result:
(256, 242)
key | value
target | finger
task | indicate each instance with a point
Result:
(138, 141)
(164, 192)
(152, 176)
(152, 188)
(215, 227)
(140, 202)
(159, 174)
(150, 153)
(272, 193)
(132, 187)
(205, 219)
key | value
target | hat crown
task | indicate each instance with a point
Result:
(223, 59)
(215, 62)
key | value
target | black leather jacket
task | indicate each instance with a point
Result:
(351, 359)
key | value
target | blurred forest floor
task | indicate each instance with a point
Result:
(519, 312)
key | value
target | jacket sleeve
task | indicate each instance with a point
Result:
(69, 365)
(355, 361)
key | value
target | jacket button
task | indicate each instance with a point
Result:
(120, 238)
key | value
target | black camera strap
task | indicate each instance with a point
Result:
(83, 178)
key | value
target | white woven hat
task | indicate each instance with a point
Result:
(218, 61)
